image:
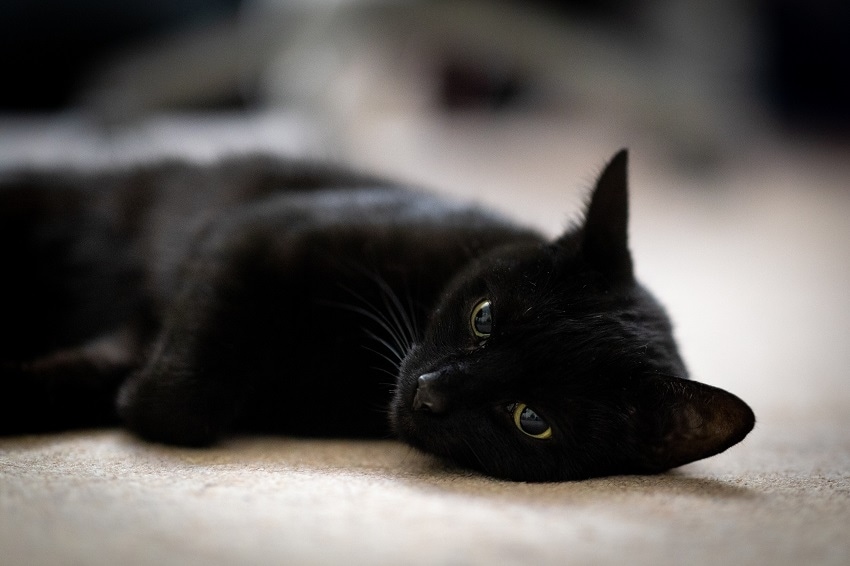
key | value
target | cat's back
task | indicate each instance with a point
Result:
(161, 196)
(153, 214)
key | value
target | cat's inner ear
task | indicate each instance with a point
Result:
(683, 421)
(604, 237)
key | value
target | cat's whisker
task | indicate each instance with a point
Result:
(379, 408)
(404, 321)
(406, 456)
(382, 355)
(377, 315)
(386, 371)
(403, 318)
(387, 345)
(414, 330)
(379, 320)
(398, 323)
(474, 453)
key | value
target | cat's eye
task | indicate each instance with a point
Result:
(481, 319)
(529, 422)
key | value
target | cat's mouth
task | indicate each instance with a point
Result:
(416, 398)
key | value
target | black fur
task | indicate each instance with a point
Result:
(262, 295)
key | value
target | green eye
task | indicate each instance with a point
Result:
(481, 319)
(529, 422)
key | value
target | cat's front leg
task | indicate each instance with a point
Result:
(185, 392)
(202, 368)
(174, 398)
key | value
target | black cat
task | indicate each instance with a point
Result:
(261, 295)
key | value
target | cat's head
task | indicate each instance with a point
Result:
(550, 362)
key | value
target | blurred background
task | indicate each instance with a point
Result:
(737, 113)
(705, 80)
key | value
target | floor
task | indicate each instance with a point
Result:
(749, 254)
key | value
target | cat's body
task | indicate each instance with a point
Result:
(262, 295)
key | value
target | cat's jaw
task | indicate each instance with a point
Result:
(401, 404)
(418, 404)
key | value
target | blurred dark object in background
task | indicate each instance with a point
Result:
(466, 84)
(48, 46)
(807, 62)
(51, 50)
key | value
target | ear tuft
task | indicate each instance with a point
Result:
(605, 235)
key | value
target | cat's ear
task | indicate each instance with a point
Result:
(604, 236)
(682, 421)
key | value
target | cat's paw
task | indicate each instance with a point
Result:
(170, 409)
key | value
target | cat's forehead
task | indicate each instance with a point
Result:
(534, 270)
(518, 261)
(510, 271)
(560, 295)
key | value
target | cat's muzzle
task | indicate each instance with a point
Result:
(427, 398)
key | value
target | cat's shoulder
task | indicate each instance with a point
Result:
(307, 172)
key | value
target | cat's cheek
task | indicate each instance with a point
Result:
(408, 374)
(400, 421)
(401, 406)
(410, 360)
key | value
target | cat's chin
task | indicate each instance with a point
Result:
(401, 415)
(401, 405)
(408, 430)
(408, 424)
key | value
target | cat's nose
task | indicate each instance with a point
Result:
(427, 399)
